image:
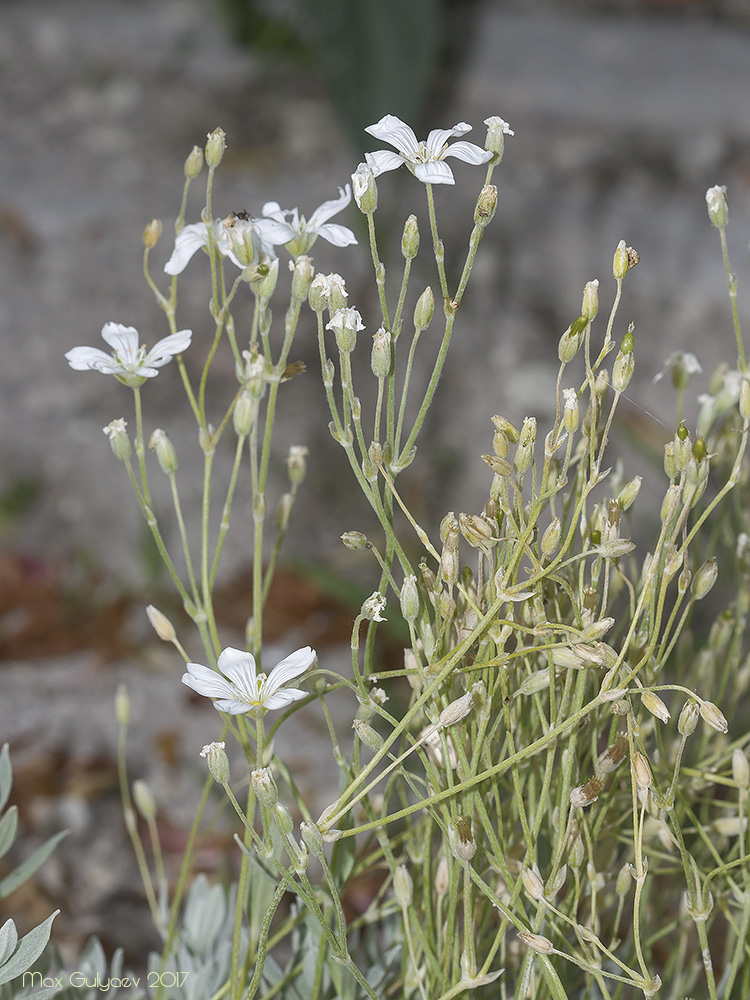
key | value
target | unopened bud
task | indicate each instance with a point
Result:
(296, 464)
(551, 538)
(311, 838)
(122, 705)
(541, 945)
(355, 540)
(243, 414)
(653, 703)
(144, 799)
(524, 456)
(264, 786)
(215, 145)
(165, 453)
(380, 359)
(403, 887)
(532, 883)
(371, 739)
(713, 715)
(284, 821)
(218, 762)
(193, 163)
(410, 598)
(716, 203)
(740, 768)
(161, 624)
(152, 233)
(457, 710)
(486, 206)
(497, 129)
(442, 876)
(624, 880)
(302, 276)
(571, 340)
(620, 262)
(627, 495)
(424, 309)
(688, 719)
(641, 771)
(410, 238)
(622, 370)
(704, 579)
(590, 303)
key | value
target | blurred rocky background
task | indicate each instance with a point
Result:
(625, 111)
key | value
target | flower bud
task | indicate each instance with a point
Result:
(623, 880)
(410, 598)
(380, 359)
(541, 945)
(704, 579)
(476, 530)
(165, 453)
(296, 464)
(620, 262)
(627, 495)
(403, 887)
(641, 771)
(590, 303)
(243, 414)
(653, 703)
(302, 276)
(161, 624)
(215, 145)
(713, 715)
(410, 238)
(551, 538)
(152, 233)
(311, 838)
(456, 711)
(264, 786)
(524, 456)
(532, 883)
(497, 129)
(716, 203)
(424, 309)
(144, 799)
(570, 411)
(442, 876)
(571, 340)
(118, 439)
(688, 719)
(486, 205)
(193, 163)
(371, 739)
(122, 705)
(284, 821)
(622, 370)
(498, 465)
(740, 768)
(365, 189)
(218, 762)
(355, 540)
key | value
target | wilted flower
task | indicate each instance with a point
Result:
(130, 364)
(237, 688)
(298, 233)
(426, 160)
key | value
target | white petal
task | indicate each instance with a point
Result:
(434, 172)
(382, 160)
(282, 698)
(328, 209)
(290, 667)
(124, 339)
(339, 236)
(392, 130)
(188, 241)
(439, 136)
(270, 231)
(165, 349)
(207, 682)
(272, 210)
(468, 152)
(84, 358)
(239, 667)
(232, 707)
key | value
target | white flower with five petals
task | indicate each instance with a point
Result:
(237, 687)
(298, 234)
(426, 160)
(130, 363)
(239, 237)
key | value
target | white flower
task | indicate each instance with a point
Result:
(239, 237)
(130, 363)
(684, 360)
(237, 688)
(298, 234)
(497, 124)
(426, 160)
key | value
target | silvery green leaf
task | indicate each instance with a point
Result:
(34, 861)
(28, 951)
(8, 827)
(6, 775)
(8, 940)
